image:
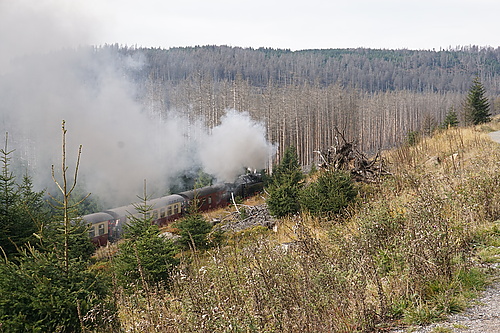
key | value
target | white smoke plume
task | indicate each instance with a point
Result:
(45, 78)
(238, 143)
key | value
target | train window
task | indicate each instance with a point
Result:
(101, 229)
(162, 212)
(169, 210)
(91, 231)
(155, 215)
(209, 200)
(176, 209)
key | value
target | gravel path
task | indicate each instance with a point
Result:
(482, 317)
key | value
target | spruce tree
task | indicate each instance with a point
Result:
(285, 185)
(53, 289)
(476, 106)
(144, 257)
(451, 119)
(194, 230)
(329, 194)
(40, 294)
(73, 241)
(16, 225)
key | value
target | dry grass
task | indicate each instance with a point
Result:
(405, 252)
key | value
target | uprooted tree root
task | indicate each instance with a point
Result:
(345, 156)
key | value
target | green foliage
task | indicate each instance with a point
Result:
(79, 244)
(189, 179)
(285, 185)
(83, 202)
(477, 106)
(451, 119)
(19, 208)
(48, 287)
(203, 179)
(412, 138)
(284, 199)
(473, 279)
(289, 168)
(194, 230)
(330, 193)
(39, 295)
(144, 256)
(146, 260)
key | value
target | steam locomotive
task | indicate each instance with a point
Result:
(107, 226)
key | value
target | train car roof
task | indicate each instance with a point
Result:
(165, 201)
(97, 217)
(155, 203)
(204, 191)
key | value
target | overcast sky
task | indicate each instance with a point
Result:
(296, 25)
(420, 24)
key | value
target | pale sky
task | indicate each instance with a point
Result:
(292, 24)
(421, 24)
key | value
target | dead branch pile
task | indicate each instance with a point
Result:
(345, 156)
(247, 217)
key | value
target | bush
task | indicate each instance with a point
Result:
(284, 199)
(144, 256)
(41, 295)
(331, 193)
(194, 230)
(145, 260)
(285, 186)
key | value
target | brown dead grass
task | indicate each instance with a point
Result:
(348, 274)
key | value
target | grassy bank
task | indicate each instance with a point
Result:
(414, 248)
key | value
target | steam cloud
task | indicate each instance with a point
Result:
(237, 143)
(123, 144)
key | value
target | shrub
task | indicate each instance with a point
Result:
(40, 294)
(144, 257)
(194, 230)
(331, 193)
(285, 185)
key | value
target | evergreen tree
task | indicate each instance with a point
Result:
(73, 241)
(144, 256)
(53, 289)
(451, 119)
(476, 106)
(16, 225)
(36, 296)
(194, 230)
(332, 192)
(285, 185)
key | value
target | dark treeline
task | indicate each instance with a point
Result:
(375, 97)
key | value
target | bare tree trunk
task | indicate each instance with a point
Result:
(66, 191)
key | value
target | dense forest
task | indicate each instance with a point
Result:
(376, 97)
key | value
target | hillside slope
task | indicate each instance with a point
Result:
(417, 247)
